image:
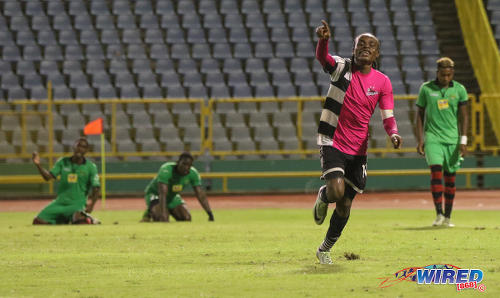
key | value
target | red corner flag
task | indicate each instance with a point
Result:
(93, 127)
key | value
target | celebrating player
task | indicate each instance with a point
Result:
(440, 102)
(78, 178)
(356, 88)
(162, 193)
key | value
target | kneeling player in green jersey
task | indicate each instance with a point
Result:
(162, 193)
(442, 106)
(78, 179)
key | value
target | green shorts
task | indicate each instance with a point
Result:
(171, 203)
(58, 213)
(446, 155)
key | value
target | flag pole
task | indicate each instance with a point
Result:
(103, 171)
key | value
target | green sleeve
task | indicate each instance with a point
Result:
(194, 178)
(164, 174)
(421, 100)
(94, 177)
(56, 169)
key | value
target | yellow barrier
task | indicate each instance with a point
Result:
(205, 111)
(225, 176)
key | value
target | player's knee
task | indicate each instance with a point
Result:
(335, 190)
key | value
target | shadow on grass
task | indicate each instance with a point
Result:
(429, 228)
(320, 269)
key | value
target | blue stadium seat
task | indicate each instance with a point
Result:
(153, 36)
(89, 37)
(275, 20)
(213, 79)
(164, 66)
(207, 8)
(179, 51)
(32, 53)
(158, 51)
(11, 53)
(209, 65)
(125, 21)
(148, 21)
(12, 8)
(192, 79)
(152, 92)
(401, 18)
(233, 19)
(201, 51)
(82, 21)
(221, 51)
(232, 66)
(73, 52)
(398, 5)
(131, 36)
(94, 52)
(110, 36)
(175, 92)
(271, 6)
(106, 91)
(254, 20)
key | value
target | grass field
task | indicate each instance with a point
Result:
(245, 253)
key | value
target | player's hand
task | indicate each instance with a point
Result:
(420, 149)
(36, 158)
(323, 32)
(89, 208)
(210, 216)
(463, 150)
(397, 141)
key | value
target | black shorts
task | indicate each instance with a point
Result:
(338, 164)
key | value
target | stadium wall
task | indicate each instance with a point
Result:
(264, 184)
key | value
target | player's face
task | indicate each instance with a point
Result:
(366, 50)
(80, 148)
(444, 76)
(184, 165)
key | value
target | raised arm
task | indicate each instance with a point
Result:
(202, 198)
(45, 173)
(323, 33)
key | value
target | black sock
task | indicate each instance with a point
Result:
(439, 208)
(337, 224)
(447, 210)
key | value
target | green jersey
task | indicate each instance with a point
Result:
(75, 180)
(176, 182)
(441, 110)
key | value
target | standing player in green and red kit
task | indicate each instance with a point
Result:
(78, 180)
(356, 88)
(443, 104)
(162, 193)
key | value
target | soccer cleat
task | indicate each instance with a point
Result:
(320, 208)
(447, 223)
(324, 257)
(439, 220)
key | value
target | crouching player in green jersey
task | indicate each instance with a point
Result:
(78, 180)
(162, 193)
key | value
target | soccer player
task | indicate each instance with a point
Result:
(162, 193)
(78, 180)
(443, 104)
(356, 88)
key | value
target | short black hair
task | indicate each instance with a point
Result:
(84, 139)
(186, 155)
